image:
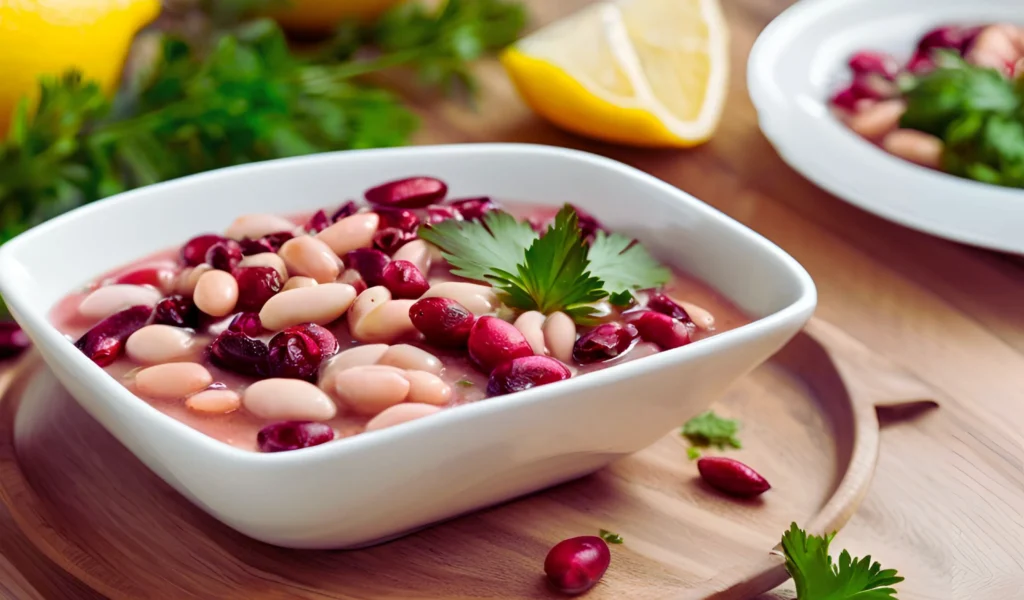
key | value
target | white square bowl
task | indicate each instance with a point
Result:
(378, 486)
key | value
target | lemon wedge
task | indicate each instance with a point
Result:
(637, 72)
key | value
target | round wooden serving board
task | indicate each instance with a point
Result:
(808, 426)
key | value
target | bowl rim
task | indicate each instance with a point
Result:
(866, 170)
(36, 320)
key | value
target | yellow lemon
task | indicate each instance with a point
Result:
(322, 16)
(47, 37)
(637, 72)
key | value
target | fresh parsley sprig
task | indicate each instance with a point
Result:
(708, 429)
(557, 271)
(818, 578)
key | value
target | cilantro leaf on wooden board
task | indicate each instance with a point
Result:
(818, 578)
(611, 538)
(708, 429)
(624, 265)
(554, 274)
(475, 249)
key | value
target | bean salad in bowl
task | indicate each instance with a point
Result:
(284, 332)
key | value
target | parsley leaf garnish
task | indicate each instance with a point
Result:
(557, 271)
(693, 453)
(708, 429)
(611, 538)
(818, 578)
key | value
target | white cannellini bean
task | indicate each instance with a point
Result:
(427, 388)
(478, 299)
(419, 253)
(214, 402)
(351, 233)
(359, 356)
(368, 301)
(703, 319)
(111, 299)
(298, 282)
(368, 390)
(310, 257)
(531, 324)
(997, 46)
(188, 278)
(266, 259)
(172, 381)
(157, 344)
(288, 399)
(405, 356)
(216, 293)
(320, 304)
(387, 324)
(915, 146)
(400, 413)
(560, 336)
(257, 226)
(879, 119)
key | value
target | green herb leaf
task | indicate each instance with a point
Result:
(622, 299)
(611, 538)
(693, 453)
(475, 249)
(818, 578)
(554, 275)
(624, 265)
(708, 429)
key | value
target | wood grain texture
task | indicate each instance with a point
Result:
(98, 513)
(947, 502)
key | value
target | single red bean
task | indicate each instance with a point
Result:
(846, 99)
(294, 354)
(876, 63)
(391, 239)
(157, 277)
(292, 435)
(347, 210)
(413, 192)
(397, 218)
(404, 280)
(176, 311)
(193, 253)
(370, 263)
(444, 322)
(493, 342)
(604, 342)
(269, 243)
(13, 340)
(239, 353)
(661, 329)
(329, 345)
(256, 285)
(574, 565)
(525, 372)
(104, 343)
(317, 223)
(659, 302)
(248, 323)
(224, 255)
(732, 477)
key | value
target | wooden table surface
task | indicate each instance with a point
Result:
(947, 504)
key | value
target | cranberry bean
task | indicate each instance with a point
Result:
(660, 329)
(188, 278)
(413, 192)
(479, 299)
(575, 565)
(104, 343)
(354, 279)
(559, 336)
(473, 209)
(531, 325)
(879, 119)
(846, 99)
(224, 255)
(404, 280)
(664, 304)
(359, 356)
(391, 239)
(350, 233)
(159, 277)
(699, 316)
(950, 37)
(300, 282)
(239, 353)
(418, 253)
(266, 259)
(442, 321)
(915, 146)
(321, 304)
(370, 389)
(268, 244)
(257, 226)
(400, 413)
(405, 356)
(370, 264)
(13, 340)
(328, 344)
(386, 324)
(214, 402)
(874, 63)
(288, 399)
(247, 323)
(111, 299)
(525, 372)
(346, 210)
(493, 342)
(293, 435)
(256, 285)
(172, 381)
(216, 293)
(310, 257)
(605, 342)
(317, 223)
(193, 253)
(294, 354)
(402, 219)
(156, 344)
(427, 388)
(732, 477)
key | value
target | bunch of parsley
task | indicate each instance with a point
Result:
(979, 115)
(818, 578)
(237, 94)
